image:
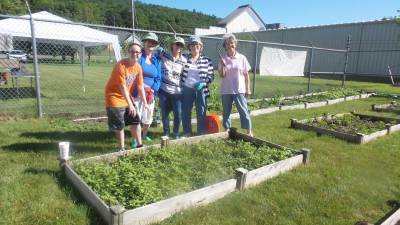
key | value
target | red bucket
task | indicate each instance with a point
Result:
(213, 123)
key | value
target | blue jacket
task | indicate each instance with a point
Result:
(153, 81)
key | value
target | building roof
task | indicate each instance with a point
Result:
(236, 13)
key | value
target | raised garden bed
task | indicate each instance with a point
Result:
(153, 183)
(393, 107)
(352, 127)
(266, 106)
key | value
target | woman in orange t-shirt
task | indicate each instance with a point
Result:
(121, 111)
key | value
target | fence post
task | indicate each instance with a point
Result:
(35, 64)
(255, 66)
(347, 59)
(310, 68)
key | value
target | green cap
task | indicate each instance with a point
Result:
(179, 40)
(150, 36)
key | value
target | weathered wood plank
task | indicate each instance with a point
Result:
(257, 141)
(197, 139)
(111, 157)
(386, 108)
(88, 194)
(349, 98)
(320, 130)
(394, 128)
(394, 219)
(264, 173)
(377, 118)
(264, 111)
(309, 105)
(369, 137)
(163, 209)
(292, 107)
(335, 101)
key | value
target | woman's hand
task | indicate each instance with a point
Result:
(200, 85)
(132, 110)
(248, 93)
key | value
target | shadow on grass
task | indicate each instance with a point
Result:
(49, 147)
(83, 136)
(80, 141)
(72, 136)
(66, 187)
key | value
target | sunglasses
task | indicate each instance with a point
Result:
(194, 44)
(133, 52)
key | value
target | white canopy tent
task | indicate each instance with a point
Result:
(60, 33)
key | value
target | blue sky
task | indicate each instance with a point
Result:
(295, 13)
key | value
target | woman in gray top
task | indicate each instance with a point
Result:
(170, 93)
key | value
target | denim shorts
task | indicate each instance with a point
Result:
(118, 118)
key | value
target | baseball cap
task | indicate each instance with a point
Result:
(179, 40)
(150, 36)
(195, 39)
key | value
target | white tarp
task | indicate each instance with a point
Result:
(280, 62)
(58, 32)
(6, 42)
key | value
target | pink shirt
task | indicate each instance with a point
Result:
(235, 69)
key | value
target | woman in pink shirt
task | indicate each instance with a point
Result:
(234, 71)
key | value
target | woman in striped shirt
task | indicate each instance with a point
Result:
(197, 75)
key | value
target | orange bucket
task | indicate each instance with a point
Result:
(213, 123)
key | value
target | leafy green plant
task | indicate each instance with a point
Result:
(215, 102)
(134, 181)
(349, 123)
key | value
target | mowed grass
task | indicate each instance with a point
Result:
(63, 89)
(343, 183)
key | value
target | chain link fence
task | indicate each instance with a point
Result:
(75, 60)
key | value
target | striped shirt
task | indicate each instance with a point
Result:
(205, 71)
(171, 72)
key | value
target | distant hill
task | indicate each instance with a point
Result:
(115, 12)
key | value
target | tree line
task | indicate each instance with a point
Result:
(115, 13)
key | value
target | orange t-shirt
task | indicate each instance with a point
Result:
(122, 74)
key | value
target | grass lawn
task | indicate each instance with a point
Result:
(62, 89)
(343, 183)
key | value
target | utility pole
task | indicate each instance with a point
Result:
(133, 16)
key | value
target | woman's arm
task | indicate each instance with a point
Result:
(247, 68)
(247, 83)
(221, 68)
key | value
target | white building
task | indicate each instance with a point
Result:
(242, 19)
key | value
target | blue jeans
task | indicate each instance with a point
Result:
(170, 102)
(191, 95)
(241, 105)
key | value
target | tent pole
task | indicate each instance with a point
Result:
(82, 61)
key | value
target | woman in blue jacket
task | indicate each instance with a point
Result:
(151, 66)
